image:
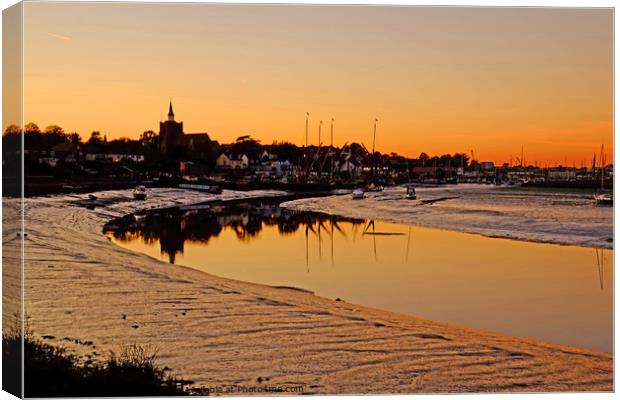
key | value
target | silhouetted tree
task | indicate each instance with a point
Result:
(149, 137)
(287, 151)
(54, 130)
(423, 158)
(32, 128)
(75, 138)
(95, 138)
(248, 146)
(12, 130)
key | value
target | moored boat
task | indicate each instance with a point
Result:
(203, 187)
(374, 188)
(411, 194)
(357, 194)
(604, 198)
(139, 193)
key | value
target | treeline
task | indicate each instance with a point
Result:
(147, 144)
(52, 135)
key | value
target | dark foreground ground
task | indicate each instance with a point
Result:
(50, 371)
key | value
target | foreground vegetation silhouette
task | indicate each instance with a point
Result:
(50, 371)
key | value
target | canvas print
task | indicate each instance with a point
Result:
(253, 199)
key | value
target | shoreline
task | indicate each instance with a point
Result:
(469, 232)
(352, 210)
(259, 331)
(287, 197)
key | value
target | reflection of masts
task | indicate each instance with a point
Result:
(320, 250)
(374, 236)
(332, 242)
(599, 267)
(335, 225)
(307, 264)
(408, 242)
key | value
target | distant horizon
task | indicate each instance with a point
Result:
(513, 163)
(439, 80)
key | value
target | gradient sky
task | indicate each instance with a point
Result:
(438, 79)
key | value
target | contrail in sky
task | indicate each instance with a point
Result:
(57, 36)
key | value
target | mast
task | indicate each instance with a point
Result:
(307, 116)
(318, 154)
(408, 174)
(331, 153)
(305, 152)
(374, 163)
(602, 166)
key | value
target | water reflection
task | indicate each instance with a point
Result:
(172, 228)
(600, 262)
(534, 290)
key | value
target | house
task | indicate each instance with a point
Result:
(51, 161)
(232, 161)
(267, 156)
(562, 174)
(425, 171)
(487, 166)
(68, 152)
(274, 169)
(114, 157)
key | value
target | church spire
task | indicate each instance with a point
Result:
(170, 112)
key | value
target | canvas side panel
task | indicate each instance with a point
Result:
(12, 204)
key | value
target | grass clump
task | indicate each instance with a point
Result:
(50, 371)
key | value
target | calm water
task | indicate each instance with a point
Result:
(560, 294)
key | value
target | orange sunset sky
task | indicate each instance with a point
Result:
(438, 79)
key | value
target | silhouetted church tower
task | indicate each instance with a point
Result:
(170, 112)
(170, 133)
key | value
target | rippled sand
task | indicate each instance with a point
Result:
(87, 294)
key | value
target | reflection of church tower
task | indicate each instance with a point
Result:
(170, 134)
(172, 237)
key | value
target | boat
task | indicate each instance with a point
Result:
(374, 188)
(357, 194)
(203, 187)
(411, 194)
(603, 197)
(139, 193)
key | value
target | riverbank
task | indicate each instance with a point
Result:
(49, 185)
(541, 215)
(87, 294)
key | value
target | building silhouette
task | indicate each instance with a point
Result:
(174, 142)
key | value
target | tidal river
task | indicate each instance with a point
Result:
(347, 249)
